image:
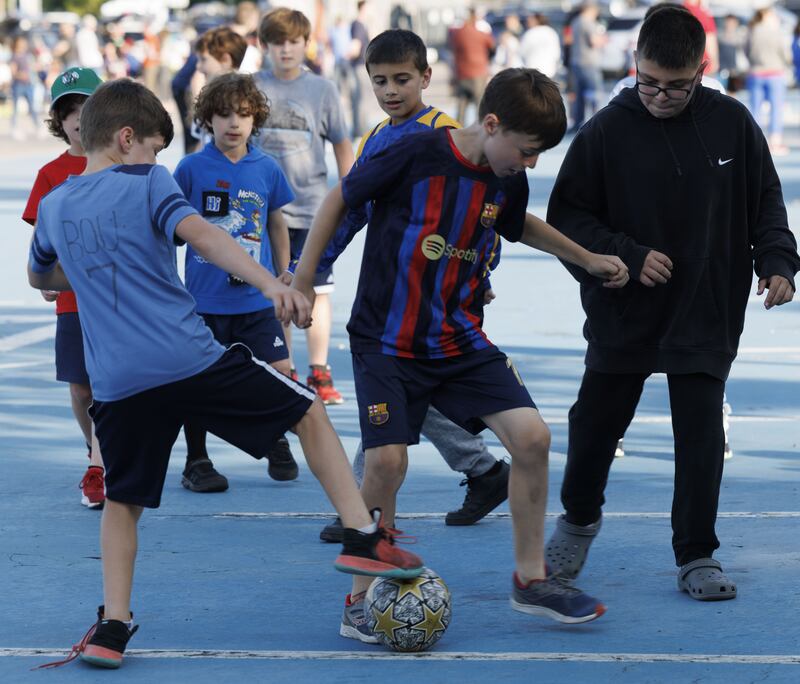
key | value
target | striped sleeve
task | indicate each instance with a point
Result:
(168, 206)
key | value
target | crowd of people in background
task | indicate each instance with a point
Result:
(757, 56)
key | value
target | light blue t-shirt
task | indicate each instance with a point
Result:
(237, 198)
(114, 234)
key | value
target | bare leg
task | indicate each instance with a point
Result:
(526, 437)
(81, 399)
(118, 543)
(384, 474)
(287, 334)
(328, 462)
(318, 336)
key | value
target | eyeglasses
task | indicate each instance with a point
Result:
(672, 93)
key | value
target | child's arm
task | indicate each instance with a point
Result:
(343, 151)
(218, 247)
(53, 280)
(540, 235)
(278, 239)
(327, 220)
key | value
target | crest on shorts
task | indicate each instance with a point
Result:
(378, 413)
(489, 214)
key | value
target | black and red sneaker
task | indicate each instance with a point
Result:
(102, 646)
(376, 554)
(106, 646)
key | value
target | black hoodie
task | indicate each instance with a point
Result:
(701, 188)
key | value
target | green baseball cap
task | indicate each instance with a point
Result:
(78, 80)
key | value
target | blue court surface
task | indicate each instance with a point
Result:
(237, 586)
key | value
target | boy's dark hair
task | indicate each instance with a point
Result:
(672, 38)
(120, 103)
(231, 92)
(222, 41)
(526, 101)
(282, 24)
(396, 46)
(62, 108)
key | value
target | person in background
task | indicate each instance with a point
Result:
(540, 47)
(769, 59)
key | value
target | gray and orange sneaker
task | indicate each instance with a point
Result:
(375, 554)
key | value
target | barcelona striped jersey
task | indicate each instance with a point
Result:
(431, 232)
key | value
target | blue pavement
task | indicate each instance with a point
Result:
(236, 586)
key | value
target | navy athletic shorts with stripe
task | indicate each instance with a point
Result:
(394, 393)
(239, 399)
(260, 331)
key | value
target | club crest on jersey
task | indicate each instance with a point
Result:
(378, 413)
(489, 214)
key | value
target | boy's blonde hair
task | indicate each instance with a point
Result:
(231, 92)
(222, 41)
(282, 24)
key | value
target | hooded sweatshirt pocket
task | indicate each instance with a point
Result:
(681, 313)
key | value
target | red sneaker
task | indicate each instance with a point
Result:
(376, 554)
(321, 382)
(293, 374)
(93, 486)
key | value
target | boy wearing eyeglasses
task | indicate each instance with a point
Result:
(677, 180)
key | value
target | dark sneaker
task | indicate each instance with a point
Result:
(93, 488)
(321, 382)
(376, 554)
(102, 646)
(354, 622)
(282, 466)
(484, 493)
(333, 532)
(201, 476)
(555, 598)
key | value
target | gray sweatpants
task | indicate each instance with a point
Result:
(462, 451)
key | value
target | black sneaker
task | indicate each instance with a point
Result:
(201, 476)
(102, 646)
(106, 646)
(282, 465)
(333, 532)
(484, 493)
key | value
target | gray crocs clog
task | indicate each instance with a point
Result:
(568, 547)
(704, 580)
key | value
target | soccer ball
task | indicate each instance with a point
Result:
(408, 615)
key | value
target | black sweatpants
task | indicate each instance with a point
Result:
(601, 415)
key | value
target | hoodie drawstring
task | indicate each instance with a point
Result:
(670, 148)
(700, 138)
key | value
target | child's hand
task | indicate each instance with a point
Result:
(291, 306)
(49, 295)
(657, 268)
(609, 268)
(489, 296)
(286, 278)
(307, 292)
(780, 290)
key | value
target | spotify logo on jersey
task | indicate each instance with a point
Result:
(433, 247)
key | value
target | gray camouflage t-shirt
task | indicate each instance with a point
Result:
(304, 113)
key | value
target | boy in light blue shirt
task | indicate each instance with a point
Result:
(111, 234)
(240, 189)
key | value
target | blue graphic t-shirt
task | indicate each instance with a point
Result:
(114, 234)
(237, 198)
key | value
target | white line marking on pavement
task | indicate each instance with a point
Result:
(769, 350)
(6, 319)
(277, 515)
(508, 656)
(23, 339)
(660, 420)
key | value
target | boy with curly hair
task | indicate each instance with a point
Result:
(240, 189)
